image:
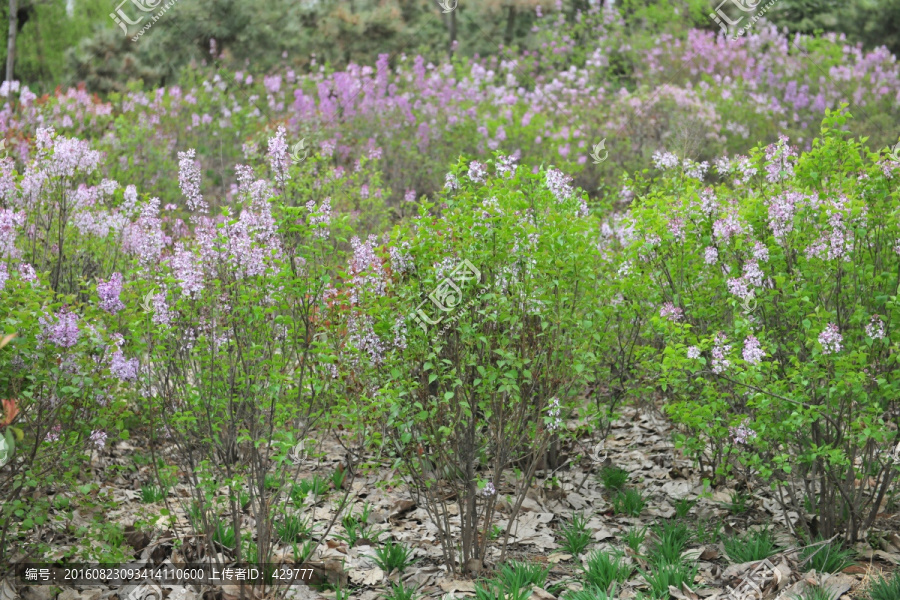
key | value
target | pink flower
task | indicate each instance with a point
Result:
(123, 368)
(477, 172)
(830, 339)
(189, 180)
(109, 293)
(99, 439)
(693, 352)
(671, 312)
(710, 255)
(753, 352)
(64, 332)
(278, 156)
(741, 433)
(875, 328)
(719, 352)
(559, 184)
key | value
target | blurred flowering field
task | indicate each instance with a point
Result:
(248, 305)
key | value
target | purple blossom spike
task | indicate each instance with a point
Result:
(278, 156)
(123, 368)
(64, 332)
(671, 312)
(875, 328)
(741, 433)
(830, 339)
(753, 352)
(719, 352)
(109, 292)
(189, 180)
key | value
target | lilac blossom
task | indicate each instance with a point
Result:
(875, 328)
(451, 182)
(362, 336)
(760, 251)
(664, 160)
(506, 166)
(189, 180)
(99, 439)
(53, 434)
(753, 352)
(64, 332)
(693, 352)
(4, 275)
(320, 218)
(782, 209)
(110, 292)
(123, 368)
(401, 261)
(477, 172)
(488, 490)
(671, 312)
(559, 184)
(9, 222)
(719, 352)
(187, 270)
(741, 433)
(695, 170)
(780, 159)
(830, 338)
(727, 227)
(27, 273)
(278, 156)
(710, 255)
(553, 413)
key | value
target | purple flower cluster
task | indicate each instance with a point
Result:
(753, 352)
(110, 292)
(671, 312)
(451, 182)
(320, 219)
(780, 160)
(693, 352)
(278, 156)
(875, 328)
(477, 172)
(664, 160)
(741, 433)
(123, 368)
(488, 490)
(401, 260)
(366, 268)
(782, 209)
(559, 184)
(64, 332)
(553, 413)
(189, 180)
(831, 339)
(362, 336)
(719, 353)
(99, 439)
(710, 255)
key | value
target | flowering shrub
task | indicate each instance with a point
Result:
(508, 261)
(781, 362)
